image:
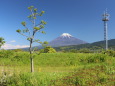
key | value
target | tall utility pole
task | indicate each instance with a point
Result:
(105, 19)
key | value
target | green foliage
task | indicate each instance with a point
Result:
(109, 52)
(28, 39)
(57, 69)
(49, 57)
(73, 50)
(94, 76)
(43, 32)
(43, 22)
(31, 7)
(36, 28)
(6, 53)
(1, 41)
(41, 26)
(45, 42)
(42, 12)
(18, 30)
(35, 10)
(23, 23)
(28, 79)
(17, 50)
(84, 50)
(96, 58)
(48, 49)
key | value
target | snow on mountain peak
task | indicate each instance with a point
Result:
(66, 35)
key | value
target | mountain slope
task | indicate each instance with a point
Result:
(93, 46)
(64, 40)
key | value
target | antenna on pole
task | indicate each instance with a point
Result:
(105, 19)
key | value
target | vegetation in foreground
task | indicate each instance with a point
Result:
(57, 69)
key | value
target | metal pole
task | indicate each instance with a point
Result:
(105, 35)
(105, 19)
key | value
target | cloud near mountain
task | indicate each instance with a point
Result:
(13, 41)
(11, 46)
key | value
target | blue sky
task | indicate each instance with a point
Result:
(81, 18)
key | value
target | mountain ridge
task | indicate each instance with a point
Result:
(64, 40)
(93, 46)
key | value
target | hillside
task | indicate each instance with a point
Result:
(64, 40)
(92, 46)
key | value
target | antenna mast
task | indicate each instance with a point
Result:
(105, 19)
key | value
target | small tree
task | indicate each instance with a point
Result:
(1, 41)
(36, 27)
(48, 49)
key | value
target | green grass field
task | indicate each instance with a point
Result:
(57, 69)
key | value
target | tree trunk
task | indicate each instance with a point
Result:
(31, 57)
(32, 64)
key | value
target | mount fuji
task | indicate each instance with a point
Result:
(64, 40)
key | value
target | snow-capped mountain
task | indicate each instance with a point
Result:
(66, 35)
(64, 40)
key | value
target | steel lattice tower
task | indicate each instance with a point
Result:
(105, 19)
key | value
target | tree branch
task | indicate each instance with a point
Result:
(24, 35)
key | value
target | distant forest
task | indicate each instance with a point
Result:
(91, 46)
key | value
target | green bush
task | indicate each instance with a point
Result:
(17, 50)
(109, 52)
(94, 58)
(48, 49)
(6, 53)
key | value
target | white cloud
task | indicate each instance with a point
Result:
(13, 41)
(11, 46)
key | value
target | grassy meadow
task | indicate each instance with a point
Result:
(57, 69)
